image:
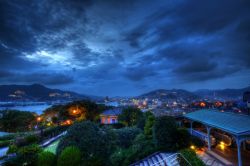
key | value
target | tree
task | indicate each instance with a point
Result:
(130, 116)
(46, 158)
(148, 129)
(140, 149)
(88, 110)
(14, 121)
(183, 138)
(27, 155)
(70, 156)
(191, 157)
(165, 133)
(125, 136)
(96, 144)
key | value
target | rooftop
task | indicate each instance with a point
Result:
(115, 112)
(233, 123)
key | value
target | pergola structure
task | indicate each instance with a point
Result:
(235, 124)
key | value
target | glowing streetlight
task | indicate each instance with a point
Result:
(192, 147)
(39, 119)
(222, 145)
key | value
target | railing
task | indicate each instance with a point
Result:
(176, 159)
(202, 136)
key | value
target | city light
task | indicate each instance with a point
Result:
(222, 145)
(202, 104)
(39, 119)
(192, 147)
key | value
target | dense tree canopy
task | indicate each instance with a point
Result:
(165, 133)
(77, 110)
(96, 144)
(13, 121)
(125, 136)
(131, 116)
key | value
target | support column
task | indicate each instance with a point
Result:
(191, 127)
(238, 142)
(208, 138)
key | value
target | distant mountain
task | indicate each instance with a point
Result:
(35, 92)
(223, 94)
(174, 94)
(184, 95)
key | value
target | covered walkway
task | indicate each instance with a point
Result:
(238, 126)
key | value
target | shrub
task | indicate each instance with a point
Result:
(27, 155)
(12, 149)
(30, 139)
(191, 157)
(5, 143)
(148, 129)
(118, 157)
(46, 158)
(14, 121)
(165, 133)
(125, 136)
(96, 144)
(69, 156)
(183, 138)
(140, 149)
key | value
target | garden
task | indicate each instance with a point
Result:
(88, 143)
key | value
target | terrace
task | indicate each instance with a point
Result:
(236, 125)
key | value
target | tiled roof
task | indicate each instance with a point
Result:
(112, 112)
(233, 123)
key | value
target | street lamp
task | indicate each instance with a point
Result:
(39, 120)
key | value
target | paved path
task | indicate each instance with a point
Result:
(208, 159)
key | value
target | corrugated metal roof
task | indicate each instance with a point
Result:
(230, 122)
(112, 112)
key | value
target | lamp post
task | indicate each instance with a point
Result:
(39, 120)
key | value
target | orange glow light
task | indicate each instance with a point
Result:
(202, 104)
(192, 147)
(39, 119)
(68, 122)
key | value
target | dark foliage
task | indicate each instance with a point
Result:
(46, 159)
(89, 111)
(165, 133)
(96, 144)
(14, 121)
(191, 157)
(125, 136)
(26, 155)
(131, 116)
(70, 156)
(140, 149)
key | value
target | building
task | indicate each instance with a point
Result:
(110, 116)
(246, 98)
(237, 126)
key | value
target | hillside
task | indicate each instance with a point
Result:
(223, 94)
(174, 94)
(35, 92)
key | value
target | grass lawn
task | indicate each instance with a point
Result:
(52, 147)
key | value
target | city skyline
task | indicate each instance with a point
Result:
(125, 48)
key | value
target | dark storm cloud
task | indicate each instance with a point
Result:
(123, 44)
(43, 78)
(202, 39)
(139, 73)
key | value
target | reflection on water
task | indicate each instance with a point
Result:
(32, 108)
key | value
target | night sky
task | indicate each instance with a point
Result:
(126, 47)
